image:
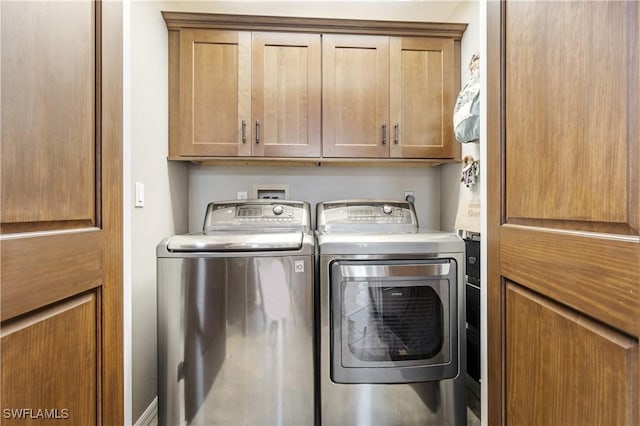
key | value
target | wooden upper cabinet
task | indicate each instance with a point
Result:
(286, 94)
(355, 96)
(287, 88)
(215, 93)
(423, 93)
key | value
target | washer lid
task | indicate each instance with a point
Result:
(234, 242)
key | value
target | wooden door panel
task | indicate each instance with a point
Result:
(50, 365)
(563, 369)
(423, 91)
(569, 109)
(215, 92)
(286, 74)
(61, 234)
(593, 275)
(355, 92)
(563, 179)
(48, 116)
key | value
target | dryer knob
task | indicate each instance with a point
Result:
(387, 209)
(278, 210)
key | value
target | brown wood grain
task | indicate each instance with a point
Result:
(495, 375)
(287, 83)
(50, 363)
(423, 93)
(48, 112)
(355, 96)
(564, 369)
(567, 131)
(215, 92)
(39, 269)
(177, 20)
(111, 308)
(563, 189)
(597, 275)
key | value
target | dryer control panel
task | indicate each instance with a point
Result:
(383, 216)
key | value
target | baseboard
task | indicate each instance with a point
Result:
(149, 414)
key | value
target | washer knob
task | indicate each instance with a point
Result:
(278, 210)
(387, 209)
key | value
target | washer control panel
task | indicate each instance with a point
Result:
(262, 214)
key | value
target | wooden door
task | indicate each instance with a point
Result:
(215, 93)
(355, 96)
(424, 85)
(563, 204)
(286, 94)
(61, 305)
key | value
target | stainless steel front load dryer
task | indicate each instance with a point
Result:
(391, 317)
(235, 318)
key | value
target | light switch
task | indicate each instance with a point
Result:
(139, 195)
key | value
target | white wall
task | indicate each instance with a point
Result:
(165, 211)
(452, 190)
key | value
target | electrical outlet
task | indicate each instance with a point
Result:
(242, 195)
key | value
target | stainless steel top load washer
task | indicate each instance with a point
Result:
(391, 323)
(235, 318)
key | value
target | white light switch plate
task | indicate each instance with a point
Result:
(139, 195)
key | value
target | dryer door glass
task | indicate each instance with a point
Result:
(393, 319)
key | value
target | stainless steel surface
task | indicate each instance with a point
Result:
(436, 403)
(257, 216)
(361, 246)
(363, 215)
(244, 131)
(384, 133)
(235, 340)
(236, 242)
(236, 318)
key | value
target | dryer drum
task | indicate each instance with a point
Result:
(400, 324)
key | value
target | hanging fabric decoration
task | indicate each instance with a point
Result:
(470, 171)
(466, 114)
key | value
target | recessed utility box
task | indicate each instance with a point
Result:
(271, 191)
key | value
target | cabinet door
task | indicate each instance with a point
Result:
(355, 96)
(286, 94)
(423, 91)
(564, 369)
(215, 93)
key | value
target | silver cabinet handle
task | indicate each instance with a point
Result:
(257, 131)
(384, 133)
(244, 131)
(396, 134)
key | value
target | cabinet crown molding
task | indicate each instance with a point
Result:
(178, 20)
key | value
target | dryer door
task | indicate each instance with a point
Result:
(393, 321)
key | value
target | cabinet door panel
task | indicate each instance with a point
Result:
(422, 97)
(599, 366)
(355, 96)
(50, 364)
(286, 94)
(215, 93)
